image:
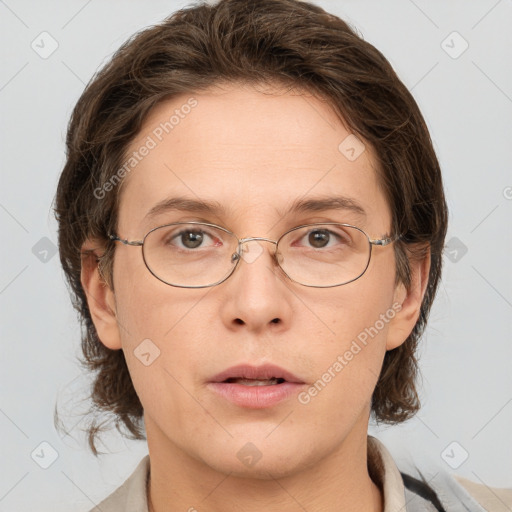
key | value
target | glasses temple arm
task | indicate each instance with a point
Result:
(115, 238)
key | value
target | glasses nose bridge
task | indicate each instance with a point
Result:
(261, 238)
(243, 241)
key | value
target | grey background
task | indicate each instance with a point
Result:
(466, 352)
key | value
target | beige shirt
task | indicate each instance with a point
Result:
(455, 495)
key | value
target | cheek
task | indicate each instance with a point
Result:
(146, 307)
(164, 347)
(356, 319)
(347, 368)
(149, 314)
(350, 311)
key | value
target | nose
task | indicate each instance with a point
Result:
(256, 295)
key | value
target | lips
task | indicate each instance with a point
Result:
(255, 387)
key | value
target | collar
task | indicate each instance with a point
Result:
(386, 475)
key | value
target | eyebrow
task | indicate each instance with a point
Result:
(314, 204)
(320, 204)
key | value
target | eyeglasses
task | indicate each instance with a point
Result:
(200, 255)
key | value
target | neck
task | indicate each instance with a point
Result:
(339, 481)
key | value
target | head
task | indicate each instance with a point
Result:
(247, 105)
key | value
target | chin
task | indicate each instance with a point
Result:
(260, 460)
(270, 469)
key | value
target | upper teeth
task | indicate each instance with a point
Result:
(255, 382)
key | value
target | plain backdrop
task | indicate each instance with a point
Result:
(456, 59)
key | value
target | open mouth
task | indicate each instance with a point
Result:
(255, 382)
(262, 375)
(255, 387)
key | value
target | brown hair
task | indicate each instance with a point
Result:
(287, 42)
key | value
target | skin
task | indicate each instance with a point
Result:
(253, 152)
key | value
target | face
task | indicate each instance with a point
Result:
(255, 155)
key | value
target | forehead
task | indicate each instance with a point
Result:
(252, 153)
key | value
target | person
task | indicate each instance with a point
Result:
(251, 220)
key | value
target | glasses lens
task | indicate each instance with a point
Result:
(324, 254)
(190, 255)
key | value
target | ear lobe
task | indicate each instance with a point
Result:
(401, 326)
(100, 298)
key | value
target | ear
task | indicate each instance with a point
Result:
(100, 297)
(410, 301)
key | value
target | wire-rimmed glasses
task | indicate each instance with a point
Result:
(200, 255)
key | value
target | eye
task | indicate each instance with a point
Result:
(192, 239)
(324, 238)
